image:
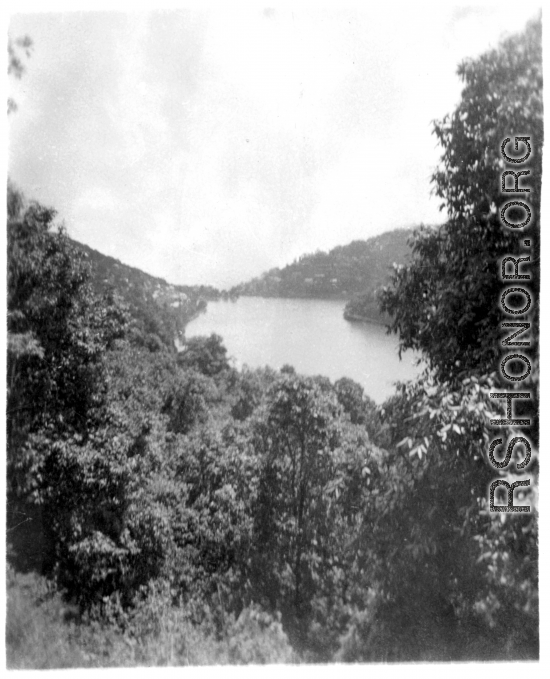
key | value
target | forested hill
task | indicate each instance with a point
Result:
(159, 308)
(342, 273)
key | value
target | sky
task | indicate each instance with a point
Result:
(209, 145)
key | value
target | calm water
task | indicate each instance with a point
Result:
(310, 335)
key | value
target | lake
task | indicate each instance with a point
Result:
(312, 336)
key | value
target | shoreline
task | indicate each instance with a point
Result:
(349, 316)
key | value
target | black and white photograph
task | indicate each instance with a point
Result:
(272, 347)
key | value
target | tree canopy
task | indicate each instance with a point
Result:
(437, 430)
(445, 302)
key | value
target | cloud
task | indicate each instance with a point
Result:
(206, 147)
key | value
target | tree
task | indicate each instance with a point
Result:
(307, 498)
(188, 396)
(15, 63)
(445, 303)
(205, 354)
(450, 579)
(58, 333)
(57, 328)
(353, 399)
(437, 432)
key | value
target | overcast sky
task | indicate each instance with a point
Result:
(209, 146)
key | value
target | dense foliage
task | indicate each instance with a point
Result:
(181, 511)
(455, 278)
(160, 311)
(446, 304)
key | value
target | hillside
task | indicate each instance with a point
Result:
(158, 308)
(352, 272)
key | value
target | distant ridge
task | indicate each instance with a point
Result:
(353, 272)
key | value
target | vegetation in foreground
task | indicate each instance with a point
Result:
(165, 508)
